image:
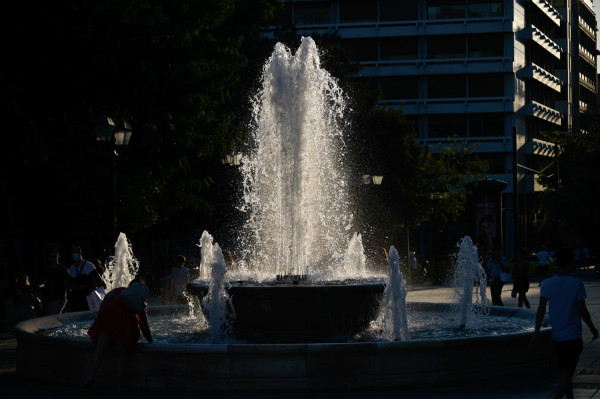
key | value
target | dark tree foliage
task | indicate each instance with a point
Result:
(418, 184)
(572, 187)
(173, 69)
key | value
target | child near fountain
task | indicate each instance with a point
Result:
(121, 317)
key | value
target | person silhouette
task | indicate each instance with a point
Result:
(121, 317)
(566, 296)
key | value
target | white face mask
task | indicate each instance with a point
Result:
(75, 257)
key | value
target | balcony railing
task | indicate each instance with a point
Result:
(547, 9)
(533, 33)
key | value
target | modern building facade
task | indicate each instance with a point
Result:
(496, 73)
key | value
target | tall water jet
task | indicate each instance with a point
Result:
(122, 267)
(394, 318)
(295, 187)
(299, 275)
(469, 281)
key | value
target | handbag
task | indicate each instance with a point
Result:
(94, 299)
(506, 277)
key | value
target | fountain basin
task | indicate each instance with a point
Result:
(301, 312)
(289, 367)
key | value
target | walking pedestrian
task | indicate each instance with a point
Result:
(566, 296)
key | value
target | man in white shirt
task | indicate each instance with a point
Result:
(180, 276)
(83, 279)
(566, 296)
(543, 260)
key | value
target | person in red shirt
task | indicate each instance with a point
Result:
(121, 317)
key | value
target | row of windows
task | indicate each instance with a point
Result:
(433, 47)
(360, 11)
(542, 94)
(438, 86)
(474, 125)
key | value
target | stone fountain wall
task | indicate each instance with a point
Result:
(291, 367)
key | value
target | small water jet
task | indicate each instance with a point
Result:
(394, 319)
(122, 267)
(469, 282)
(216, 301)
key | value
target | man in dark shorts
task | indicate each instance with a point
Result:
(566, 296)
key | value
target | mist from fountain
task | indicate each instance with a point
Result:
(469, 282)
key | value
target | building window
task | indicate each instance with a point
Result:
(399, 48)
(400, 88)
(447, 126)
(312, 13)
(362, 49)
(446, 86)
(358, 11)
(449, 46)
(486, 85)
(486, 125)
(398, 10)
(487, 45)
(485, 8)
(446, 9)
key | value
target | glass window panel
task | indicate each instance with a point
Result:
(399, 48)
(400, 88)
(362, 49)
(449, 46)
(398, 10)
(446, 9)
(485, 8)
(447, 126)
(497, 10)
(312, 13)
(486, 85)
(358, 11)
(486, 45)
(446, 86)
(486, 125)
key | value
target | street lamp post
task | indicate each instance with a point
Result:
(118, 135)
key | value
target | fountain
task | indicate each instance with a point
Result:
(300, 276)
(305, 314)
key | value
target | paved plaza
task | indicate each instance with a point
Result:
(586, 380)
